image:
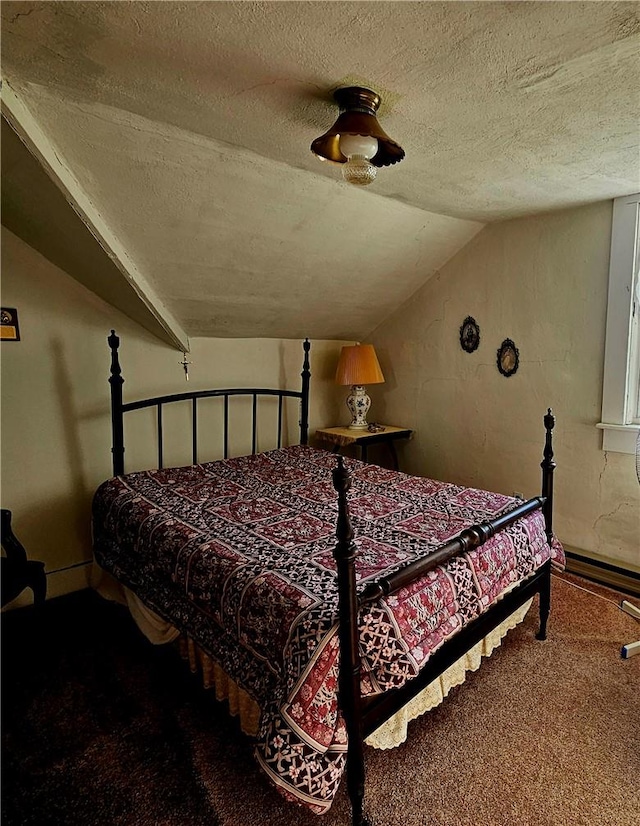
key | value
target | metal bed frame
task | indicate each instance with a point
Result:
(363, 715)
(118, 408)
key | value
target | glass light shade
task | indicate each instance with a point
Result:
(358, 149)
(365, 146)
(359, 171)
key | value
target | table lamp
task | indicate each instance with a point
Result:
(358, 365)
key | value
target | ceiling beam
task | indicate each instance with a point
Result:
(43, 150)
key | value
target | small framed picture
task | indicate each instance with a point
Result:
(508, 358)
(9, 329)
(469, 334)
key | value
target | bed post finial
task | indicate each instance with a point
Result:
(304, 407)
(349, 677)
(117, 420)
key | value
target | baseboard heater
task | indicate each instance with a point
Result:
(603, 572)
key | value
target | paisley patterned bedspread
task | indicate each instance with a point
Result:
(238, 554)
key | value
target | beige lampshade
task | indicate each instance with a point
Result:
(358, 364)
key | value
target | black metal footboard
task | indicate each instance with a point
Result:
(364, 715)
(118, 409)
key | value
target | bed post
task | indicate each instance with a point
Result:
(117, 419)
(304, 406)
(349, 678)
(548, 466)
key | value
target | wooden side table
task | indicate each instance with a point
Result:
(342, 436)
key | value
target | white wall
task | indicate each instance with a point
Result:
(56, 428)
(541, 281)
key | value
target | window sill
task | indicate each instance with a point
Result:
(619, 438)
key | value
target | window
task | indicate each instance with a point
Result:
(621, 388)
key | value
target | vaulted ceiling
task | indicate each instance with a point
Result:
(162, 150)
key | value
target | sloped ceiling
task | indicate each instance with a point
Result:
(187, 126)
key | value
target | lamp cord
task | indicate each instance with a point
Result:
(587, 590)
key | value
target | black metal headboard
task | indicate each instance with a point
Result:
(118, 408)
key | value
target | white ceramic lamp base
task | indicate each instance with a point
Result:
(358, 403)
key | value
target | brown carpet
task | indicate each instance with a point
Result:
(101, 728)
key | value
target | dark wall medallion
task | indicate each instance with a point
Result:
(469, 335)
(508, 358)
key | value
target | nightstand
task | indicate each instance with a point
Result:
(343, 436)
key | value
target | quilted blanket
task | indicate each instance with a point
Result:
(238, 554)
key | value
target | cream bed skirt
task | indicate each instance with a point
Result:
(389, 735)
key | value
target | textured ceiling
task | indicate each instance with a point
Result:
(188, 127)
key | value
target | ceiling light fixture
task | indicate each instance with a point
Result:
(356, 140)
